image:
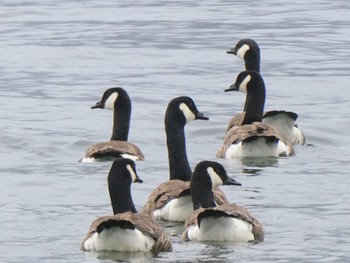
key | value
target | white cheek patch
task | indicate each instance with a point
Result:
(243, 85)
(131, 171)
(242, 50)
(109, 104)
(215, 178)
(189, 115)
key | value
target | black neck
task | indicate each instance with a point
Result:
(252, 60)
(120, 194)
(121, 120)
(202, 194)
(178, 163)
(255, 102)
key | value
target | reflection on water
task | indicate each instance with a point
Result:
(260, 162)
(133, 257)
(173, 228)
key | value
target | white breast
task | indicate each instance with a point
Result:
(177, 209)
(117, 239)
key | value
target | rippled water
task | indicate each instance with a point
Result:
(57, 58)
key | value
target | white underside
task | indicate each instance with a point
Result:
(177, 209)
(117, 239)
(88, 160)
(285, 126)
(129, 156)
(257, 148)
(108, 158)
(221, 229)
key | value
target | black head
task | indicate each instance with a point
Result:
(110, 98)
(244, 47)
(247, 81)
(123, 170)
(248, 50)
(206, 176)
(184, 110)
(252, 84)
(215, 172)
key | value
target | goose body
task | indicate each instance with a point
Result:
(171, 200)
(126, 230)
(284, 121)
(212, 222)
(118, 100)
(252, 138)
(223, 223)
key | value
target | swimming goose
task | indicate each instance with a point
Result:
(212, 222)
(284, 121)
(126, 230)
(253, 138)
(171, 200)
(118, 100)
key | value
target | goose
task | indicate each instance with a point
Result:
(118, 100)
(171, 200)
(212, 222)
(253, 138)
(126, 230)
(284, 121)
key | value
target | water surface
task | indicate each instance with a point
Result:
(57, 58)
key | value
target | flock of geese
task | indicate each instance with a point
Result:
(190, 197)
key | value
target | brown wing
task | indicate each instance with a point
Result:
(236, 120)
(113, 148)
(220, 197)
(148, 226)
(231, 210)
(93, 228)
(241, 133)
(164, 193)
(174, 189)
(190, 221)
(142, 222)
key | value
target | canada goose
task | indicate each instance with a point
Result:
(126, 230)
(171, 200)
(211, 222)
(284, 121)
(253, 138)
(118, 100)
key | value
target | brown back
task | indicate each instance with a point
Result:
(117, 147)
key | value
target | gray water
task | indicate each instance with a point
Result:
(58, 57)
